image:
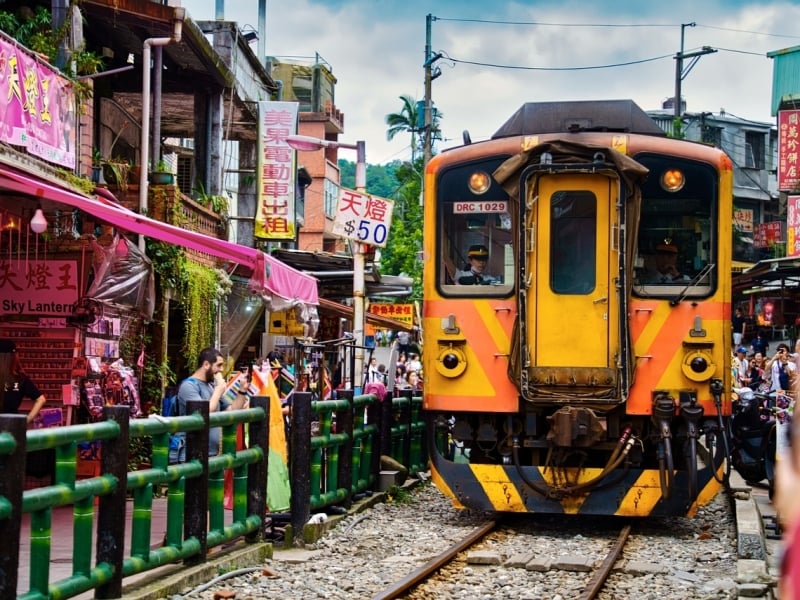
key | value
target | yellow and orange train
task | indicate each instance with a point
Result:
(576, 315)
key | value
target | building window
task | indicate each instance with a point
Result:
(712, 135)
(331, 198)
(754, 149)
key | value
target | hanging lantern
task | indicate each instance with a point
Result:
(38, 222)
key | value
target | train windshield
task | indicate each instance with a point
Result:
(475, 233)
(677, 245)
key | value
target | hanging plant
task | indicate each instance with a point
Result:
(224, 284)
(201, 285)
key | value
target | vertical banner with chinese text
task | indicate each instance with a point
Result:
(275, 172)
(793, 226)
(788, 150)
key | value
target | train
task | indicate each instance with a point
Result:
(576, 315)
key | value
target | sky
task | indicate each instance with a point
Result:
(498, 55)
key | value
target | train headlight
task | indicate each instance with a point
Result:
(698, 366)
(479, 183)
(451, 362)
(673, 180)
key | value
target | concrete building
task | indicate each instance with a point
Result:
(752, 147)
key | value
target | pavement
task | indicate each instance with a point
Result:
(758, 543)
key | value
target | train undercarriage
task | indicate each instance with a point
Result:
(568, 459)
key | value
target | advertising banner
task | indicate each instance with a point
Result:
(363, 218)
(793, 226)
(276, 172)
(788, 150)
(37, 107)
(767, 234)
(399, 312)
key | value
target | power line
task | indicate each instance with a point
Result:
(612, 25)
(545, 24)
(622, 64)
(780, 35)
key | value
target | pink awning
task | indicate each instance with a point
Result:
(268, 272)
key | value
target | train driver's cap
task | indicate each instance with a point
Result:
(667, 249)
(478, 251)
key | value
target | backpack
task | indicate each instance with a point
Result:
(169, 406)
(177, 441)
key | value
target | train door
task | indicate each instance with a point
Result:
(572, 324)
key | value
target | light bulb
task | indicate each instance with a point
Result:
(38, 222)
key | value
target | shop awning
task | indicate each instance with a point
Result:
(268, 273)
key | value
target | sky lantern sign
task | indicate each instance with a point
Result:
(276, 172)
(38, 110)
(788, 150)
(363, 218)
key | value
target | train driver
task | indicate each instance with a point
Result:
(666, 269)
(474, 272)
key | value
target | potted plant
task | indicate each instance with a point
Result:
(161, 175)
(97, 168)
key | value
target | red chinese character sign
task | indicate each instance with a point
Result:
(788, 150)
(363, 218)
(766, 235)
(48, 287)
(398, 312)
(793, 226)
(276, 172)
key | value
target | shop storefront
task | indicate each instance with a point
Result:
(76, 286)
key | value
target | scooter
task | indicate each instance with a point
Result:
(753, 436)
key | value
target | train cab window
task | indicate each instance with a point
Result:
(676, 243)
(573, 242)
(476, 252)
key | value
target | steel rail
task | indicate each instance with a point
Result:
(600, 576)
(423, 572)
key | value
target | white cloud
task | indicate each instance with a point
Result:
(376, 50)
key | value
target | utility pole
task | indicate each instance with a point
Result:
(680, 72)
(430, 75)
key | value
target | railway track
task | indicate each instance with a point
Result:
(432, 567)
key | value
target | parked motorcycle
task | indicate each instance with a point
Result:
(753, 436)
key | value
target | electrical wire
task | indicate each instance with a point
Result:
(517, 67)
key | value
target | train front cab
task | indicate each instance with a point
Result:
(574, 384)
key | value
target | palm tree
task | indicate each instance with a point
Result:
(410, 120)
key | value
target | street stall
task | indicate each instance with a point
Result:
(769, 293)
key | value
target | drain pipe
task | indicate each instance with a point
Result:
(144, 149)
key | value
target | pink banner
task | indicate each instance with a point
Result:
(788, 150)
(39, 111)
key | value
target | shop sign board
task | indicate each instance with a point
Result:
(399, 312)
(275, 214)
(788, 150)
(363, 218)
(43, 288)
(793, 226)
(766, 235)
(743, 220)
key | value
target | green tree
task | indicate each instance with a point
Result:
(410, 120)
